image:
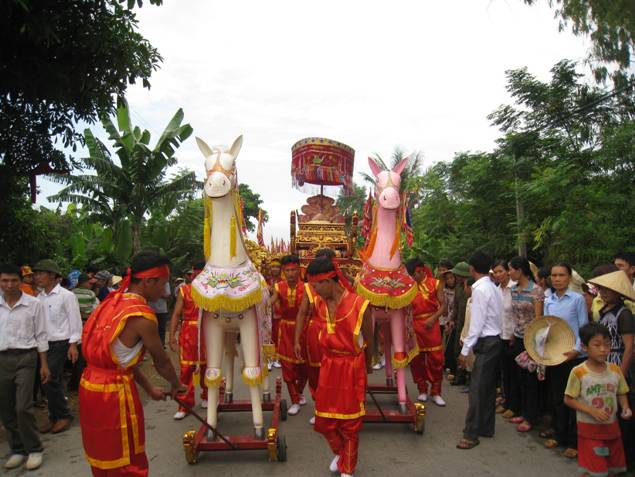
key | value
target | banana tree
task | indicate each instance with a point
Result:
(120, 194)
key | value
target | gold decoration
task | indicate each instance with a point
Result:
(191, 454)
(420, 417)
(272, 451)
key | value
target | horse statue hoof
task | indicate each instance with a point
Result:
(229, 397)
(266, 397)
(403, 408)
(259, 433)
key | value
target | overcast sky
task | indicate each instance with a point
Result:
(372, 74)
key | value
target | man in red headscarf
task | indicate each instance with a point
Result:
(114, 341)
(287, 296)
(191, 342)
(346, 359)
(427, 307)
(316, 324)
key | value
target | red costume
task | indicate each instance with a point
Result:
(341, 392)
(192, 349)
(313, 331)
(111, 413)
(294, 370)
(427, 366)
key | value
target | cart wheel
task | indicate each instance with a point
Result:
(283, 409)
(191, 454)
(281, 448)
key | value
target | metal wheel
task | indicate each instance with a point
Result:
(283, 409)
(281, 448)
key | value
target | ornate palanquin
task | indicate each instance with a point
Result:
(323, 162)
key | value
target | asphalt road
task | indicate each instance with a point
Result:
(384, 449)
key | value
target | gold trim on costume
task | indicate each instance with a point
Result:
(336, 415)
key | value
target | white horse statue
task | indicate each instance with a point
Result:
(231, 293)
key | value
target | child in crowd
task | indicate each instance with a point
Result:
(593, 390)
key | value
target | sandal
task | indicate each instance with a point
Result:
(570, 453)
(551, 443)
(547, 433)
(466, 444)
(500, 409)
(500, 400)
(523, 427)
(509, 414)
(517, 420)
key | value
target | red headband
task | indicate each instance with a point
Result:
(157, 272)
(162, 271)
(318, 277)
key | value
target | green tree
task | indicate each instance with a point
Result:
(61, 63)
(121, 193)
(251, 204)
(609, 24)
(351, 203)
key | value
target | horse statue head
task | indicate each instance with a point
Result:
(220, 166)
(387, 183)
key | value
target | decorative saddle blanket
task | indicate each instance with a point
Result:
(386, 288)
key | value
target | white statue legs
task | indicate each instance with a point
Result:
(217, 325)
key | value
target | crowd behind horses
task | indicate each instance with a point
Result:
(527, 395)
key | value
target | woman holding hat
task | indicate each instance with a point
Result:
(527, 303)
(614, 288)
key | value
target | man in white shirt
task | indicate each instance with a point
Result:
(64, 330)
(22, 337)
(484, 340)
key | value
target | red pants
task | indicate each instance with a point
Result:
(295, 375)
(314, 378)
(187, 375)
(598, 457)
(427, 368)
(342, 436)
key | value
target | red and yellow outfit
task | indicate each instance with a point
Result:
(314, 329)
(294, 370)
(427, 366)
(111, 413)
(341, 392)
(191, 348)
(275, 318)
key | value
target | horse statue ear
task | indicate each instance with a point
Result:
(374, 167)
(235, 149)
(205, 149)
(401, 165)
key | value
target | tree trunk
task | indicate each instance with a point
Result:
(136, 238)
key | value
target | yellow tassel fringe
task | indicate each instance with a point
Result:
(385, 301)
(252, 381)
(225, 303)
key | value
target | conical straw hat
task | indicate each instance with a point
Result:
(554, 334)
(616, 281)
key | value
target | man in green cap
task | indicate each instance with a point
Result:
(462, 272)
(64, 331)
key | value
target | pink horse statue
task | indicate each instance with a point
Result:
(384, 280)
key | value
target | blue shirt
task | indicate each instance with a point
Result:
(571, 308)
